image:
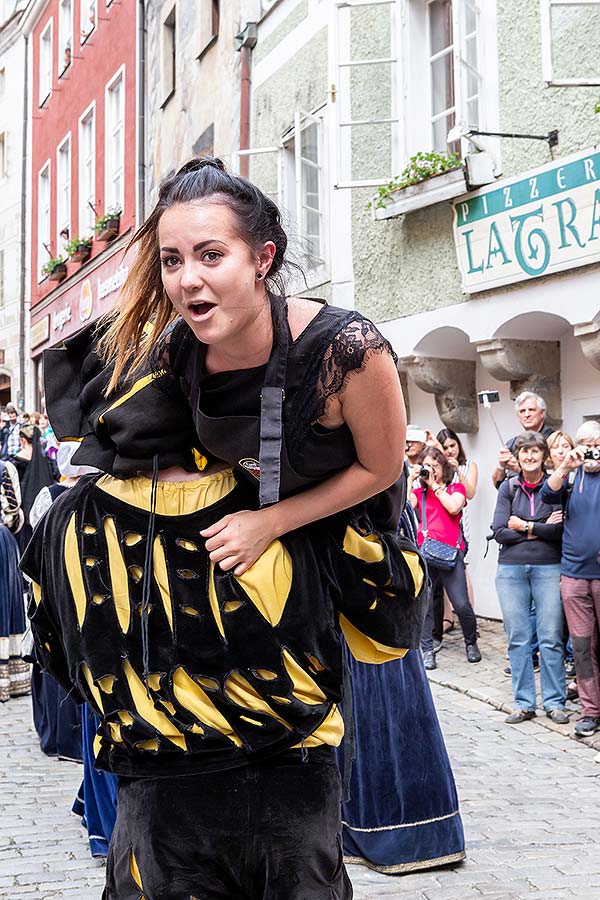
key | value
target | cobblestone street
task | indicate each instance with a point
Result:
(530, 799)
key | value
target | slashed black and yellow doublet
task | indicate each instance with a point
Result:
(240, 667)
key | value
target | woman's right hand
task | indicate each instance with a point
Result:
(555, 518)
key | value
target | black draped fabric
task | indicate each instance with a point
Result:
(116, 435)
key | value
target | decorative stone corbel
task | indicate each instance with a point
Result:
(452, 381)
(528, 366)
(588, 336)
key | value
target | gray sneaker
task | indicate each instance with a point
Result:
(429, 659)
(558, 716)
(520, 715)
(587, 725)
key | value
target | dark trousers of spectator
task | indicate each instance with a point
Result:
(581, 602)
(437, 602)
(455, 582)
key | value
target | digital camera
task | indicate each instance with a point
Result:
(592, 453)
(424, 472)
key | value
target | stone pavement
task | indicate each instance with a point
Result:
(530, 804)
(485, 680)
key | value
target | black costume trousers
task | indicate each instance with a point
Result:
(268, 831)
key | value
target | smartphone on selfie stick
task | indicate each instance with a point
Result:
(486, 398)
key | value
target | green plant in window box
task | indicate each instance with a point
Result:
(55, 268)
(420, 167)
(107, 226)
(79, 249)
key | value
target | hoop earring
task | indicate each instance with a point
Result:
(258, 276)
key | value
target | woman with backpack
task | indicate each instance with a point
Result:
(529, 532)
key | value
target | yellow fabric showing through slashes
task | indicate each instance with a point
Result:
(107, 683)
(125, 717)
(329, 732)
(191, 696)
(118, 575)
(173, 498)
(305, 689)
(145, 707)
(96, 745)
(73, 568)
(241, 692)
(134, 870)
(136, 387)
(366, 649)
(115, 732)
(95, 692)
(416, 570)
(159, 563)
(367, 547)
(268, 582)
(214, 600)
(37, 593)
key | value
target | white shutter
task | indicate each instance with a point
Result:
(346, 167)
(584, 37)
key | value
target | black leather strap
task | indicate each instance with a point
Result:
(271, 406)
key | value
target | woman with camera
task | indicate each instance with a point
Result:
(529, 531)
(438, 503)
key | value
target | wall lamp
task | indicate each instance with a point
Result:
(466, 131)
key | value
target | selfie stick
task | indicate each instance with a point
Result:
(487, 405)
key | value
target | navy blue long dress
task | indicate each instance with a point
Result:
(403, 812)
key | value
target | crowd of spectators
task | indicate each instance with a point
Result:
(545, 522)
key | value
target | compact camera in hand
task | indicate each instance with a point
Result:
(592, 453)
(424, 472)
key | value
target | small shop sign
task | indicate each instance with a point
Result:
(540, 222)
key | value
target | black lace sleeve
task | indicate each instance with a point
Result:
(347, 353)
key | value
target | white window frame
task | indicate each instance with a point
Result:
(315, 266)
(460, 68)
(46, 72)
(42, 252)
(65, 36)
(86, 7)
(546, 7)
(110, 169)
(86, 217)
(2, 285)
(340, 67)
(63, 190)
(237, 156)
(411, 87)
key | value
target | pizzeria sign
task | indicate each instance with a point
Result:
(538, 223)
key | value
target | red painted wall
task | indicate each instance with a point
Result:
(111, 45)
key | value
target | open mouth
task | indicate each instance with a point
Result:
(201, 309)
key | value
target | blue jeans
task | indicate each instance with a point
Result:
(518, 587)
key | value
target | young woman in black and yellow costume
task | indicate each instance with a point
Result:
(218, 690)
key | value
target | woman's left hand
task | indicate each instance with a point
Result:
(237, 540)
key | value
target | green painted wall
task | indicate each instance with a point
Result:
(408, 265)
(283, 29)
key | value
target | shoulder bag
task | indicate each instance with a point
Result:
(437, 553)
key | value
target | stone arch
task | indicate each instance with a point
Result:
(443, 364)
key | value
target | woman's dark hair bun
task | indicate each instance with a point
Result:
(201, 162)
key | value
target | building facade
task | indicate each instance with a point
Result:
(496, 288)
(83, 174)
(196, 77)
(13, 311)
